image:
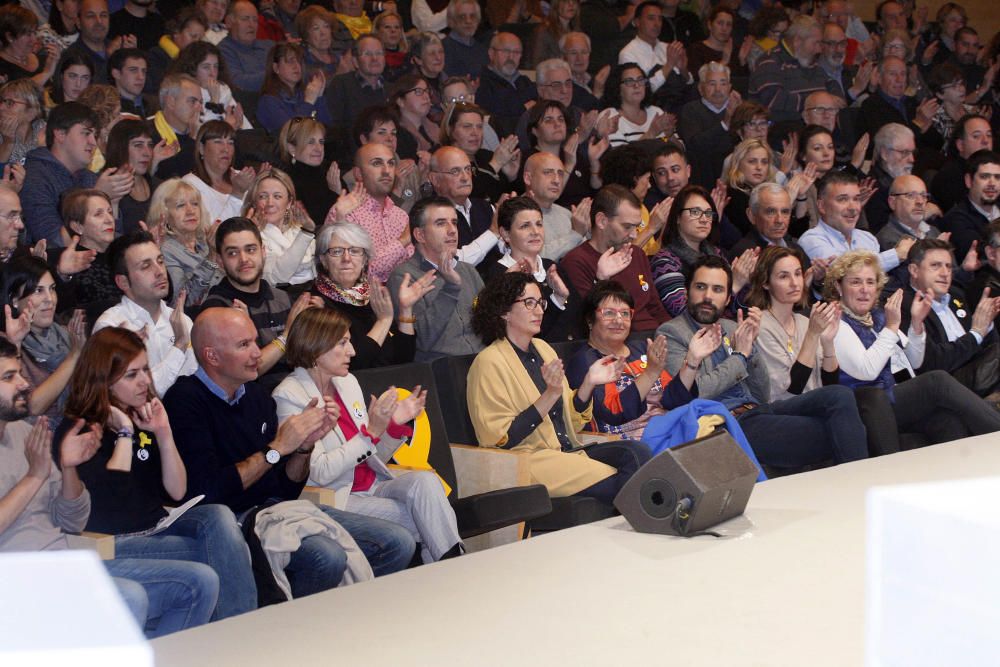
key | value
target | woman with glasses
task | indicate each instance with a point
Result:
(644, 389)
(627, 92)
(188, 249)
(410, 95)
(73, 74)
(289, 233)
(947, 84)
(519, 397)
(285, 95)
(766, 27)
(21, 120)
(20, 56)
(302, 147)
(380, 337)
(321, 348)
(222, 188)
(691, 227)
(464, 126)
(519, 222)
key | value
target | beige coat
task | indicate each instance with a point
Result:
(499, 388)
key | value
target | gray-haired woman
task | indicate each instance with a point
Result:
(343, 250)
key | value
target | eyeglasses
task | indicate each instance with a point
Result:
(905, 152)
(612, 314)
(419, 91)
(558, 85)
(530, 303)
(695, 213)
(12, 217)
(462, 98)
(9, 102)
(634, 81)
(824, 110)
(759, 124)
(912, 195)
(456, 171)
(339, 252)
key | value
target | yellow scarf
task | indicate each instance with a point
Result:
(358, 25)
(167, 133)
(97, 161)
(168, 45)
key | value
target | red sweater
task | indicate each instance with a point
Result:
(580, 265)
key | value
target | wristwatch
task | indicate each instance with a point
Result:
(272, 456)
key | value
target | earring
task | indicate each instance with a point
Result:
(293, 158)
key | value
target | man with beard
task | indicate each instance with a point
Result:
(671, 172)
(831, 61)
(788, 74)
(615, 216)
(966, 56)
(972, 133)
(892, 157)
(241, 250)
(812, 427)
(141, 274)
(968, 219)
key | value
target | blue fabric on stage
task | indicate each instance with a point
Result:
(680, 425)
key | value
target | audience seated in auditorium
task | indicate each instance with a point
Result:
(245, 55)
(345, 283)
(451, 175)
(320, 350)
(519, 397)
(971, 134)
(140, 272)
(443, 317)
(802, 430)
(968, 219)
(227, 432)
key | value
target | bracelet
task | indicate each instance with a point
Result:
(688, 364)
(802, 199)
(303, 451)
(406, 320)
(125, 434)
(279, 343)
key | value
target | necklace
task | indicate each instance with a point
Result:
(790, 344)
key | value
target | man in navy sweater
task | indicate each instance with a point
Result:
(226, 430)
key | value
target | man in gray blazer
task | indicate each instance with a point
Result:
(816, 426)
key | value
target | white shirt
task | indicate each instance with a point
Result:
(290, 255)
(629, 131)
(539, 274)
(166, 362)
(902, 351)
(220, 206)
(475, 250)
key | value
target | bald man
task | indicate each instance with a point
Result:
(451, 176)
(544, 180)
(226, 429)
(503, 90)
(910, 211)
(891, 104)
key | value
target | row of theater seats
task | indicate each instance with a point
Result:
(490, 488)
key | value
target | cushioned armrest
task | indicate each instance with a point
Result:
(102, 543)
(319, 495)
(482, 469)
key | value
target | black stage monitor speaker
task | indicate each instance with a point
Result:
(690, 487)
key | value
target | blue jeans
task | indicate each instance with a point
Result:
(818, 425)
(178, 594)
(319, 563)
(205, 534)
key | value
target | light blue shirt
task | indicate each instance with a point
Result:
(824, 241)
(952, 325)
(217, 390)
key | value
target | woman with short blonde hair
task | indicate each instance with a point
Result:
(287, 230)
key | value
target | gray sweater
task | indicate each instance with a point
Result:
(41, 523)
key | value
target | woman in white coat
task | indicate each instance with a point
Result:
(351, 458)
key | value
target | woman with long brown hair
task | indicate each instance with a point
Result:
(137, 468)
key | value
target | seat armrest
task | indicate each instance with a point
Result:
(319, 495)
(484, 469)
(102, 543)
(590, 437)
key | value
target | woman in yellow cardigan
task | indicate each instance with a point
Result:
(519, 398)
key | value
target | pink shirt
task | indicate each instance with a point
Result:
(385, 226)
